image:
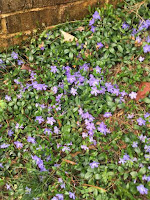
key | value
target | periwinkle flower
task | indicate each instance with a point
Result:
(8, 98)
(107, 114)
(125, 25)
(39, 119)
(133, 95)
(14, 55)
(73, 91)
(142, 189)
(141, 121)
(100, 45)
(91, 22)
(50, 120)
(72, 195)
(94, 164)
(10, 132)
(18, 144)
(31, 140)
(3, 146)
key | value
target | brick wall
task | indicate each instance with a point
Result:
(26, 15)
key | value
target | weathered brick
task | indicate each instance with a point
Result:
(8, 6)
(32, 19)
(0, 26)
(75, 11)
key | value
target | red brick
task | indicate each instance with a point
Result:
(32, 20)
(7, 6)
(75, 11)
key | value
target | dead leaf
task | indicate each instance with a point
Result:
(75, 154)
(92, 147)
(144, 89)
(41, 45)
(81, 28)
(95, 187)
(68, 37)
(69, 161)
(26, 67)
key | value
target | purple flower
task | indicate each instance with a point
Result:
(84, 147)
(54, 198)
(14, 55)
(39, 119)
(50, 120)
(60, 196)
(125, 25)
(90, 126)
(93, 28)
(142, 189)
(141, 121)
(98, 69)
(123, 93)
(31, 140)
(126, 157)
(28, 190)
(141, 59)
(148, 39)
(96, 15)
(18, 144)
(54, 69)
(20, 62)
(121, 161)
(1, 61)
(1, 165)
(8, 98)
(100, 45)
(55, 89)
(62, 185)
(146, 48)
(71, 78)
(84, 135)
(130, 116)
(142, 138)
(94, 91)
(56, 130)
(94, 164)
(38, 86)
(65, 149)
(91, 22)
(107, 114)
(138, 39)
(3, 146)
(146, 115)
(47, 130)
(103, 128)
(8, 186)
(133, 95)
(10, 133)
(42, 48)
(73, 91)
(18, 126)
(135, 144)
(72, 195)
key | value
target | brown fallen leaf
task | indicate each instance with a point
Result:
(41, 45)
(69, 161)
(26, 67)
(75, 154)
(144, 89)
(80, 28)
(68, 37)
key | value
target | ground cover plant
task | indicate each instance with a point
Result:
(74, 110)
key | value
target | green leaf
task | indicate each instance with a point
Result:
(120, 48)
(98, 176)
